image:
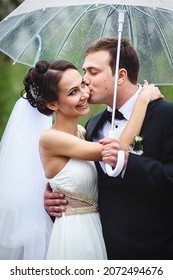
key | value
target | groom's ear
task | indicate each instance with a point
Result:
(122, 75)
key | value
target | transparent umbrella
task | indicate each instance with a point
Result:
(42, 29)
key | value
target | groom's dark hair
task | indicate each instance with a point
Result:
(128, 56)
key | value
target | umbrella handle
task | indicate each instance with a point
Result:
(120, 161)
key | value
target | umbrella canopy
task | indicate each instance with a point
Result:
(29, 5)
(54, 29)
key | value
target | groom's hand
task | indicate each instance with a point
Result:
(54, 202)
(110, 149)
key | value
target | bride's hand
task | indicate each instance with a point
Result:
(150, 92)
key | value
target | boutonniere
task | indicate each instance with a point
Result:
(137, 146)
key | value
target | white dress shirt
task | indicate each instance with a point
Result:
(126, 110)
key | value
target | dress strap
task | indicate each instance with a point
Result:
(80, 134)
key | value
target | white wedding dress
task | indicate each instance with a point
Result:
(77, 235)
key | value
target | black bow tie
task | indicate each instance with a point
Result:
(118, 115)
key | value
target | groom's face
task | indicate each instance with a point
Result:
(98, 76)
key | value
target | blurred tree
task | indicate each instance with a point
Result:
(8, 6)
(10, 75)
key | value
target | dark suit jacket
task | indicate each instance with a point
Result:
(137, 210)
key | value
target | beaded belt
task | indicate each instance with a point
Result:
(78, 203)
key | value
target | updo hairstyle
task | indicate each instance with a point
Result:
(41, 83)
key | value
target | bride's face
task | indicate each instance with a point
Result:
(73, 94)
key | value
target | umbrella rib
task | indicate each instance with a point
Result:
(97, 7)
(128, 12)
(103, 28)
(164, 39)
(90, 10)
(151, 15)
(16, 24)
(142, 12)
(36, 34)
(71, 30)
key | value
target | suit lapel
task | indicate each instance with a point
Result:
(94, 124)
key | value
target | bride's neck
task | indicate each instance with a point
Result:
(71, 128)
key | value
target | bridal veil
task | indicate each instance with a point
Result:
(25, 226)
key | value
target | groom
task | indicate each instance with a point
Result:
(136, 207)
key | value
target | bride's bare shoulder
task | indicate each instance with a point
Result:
(49, 135)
